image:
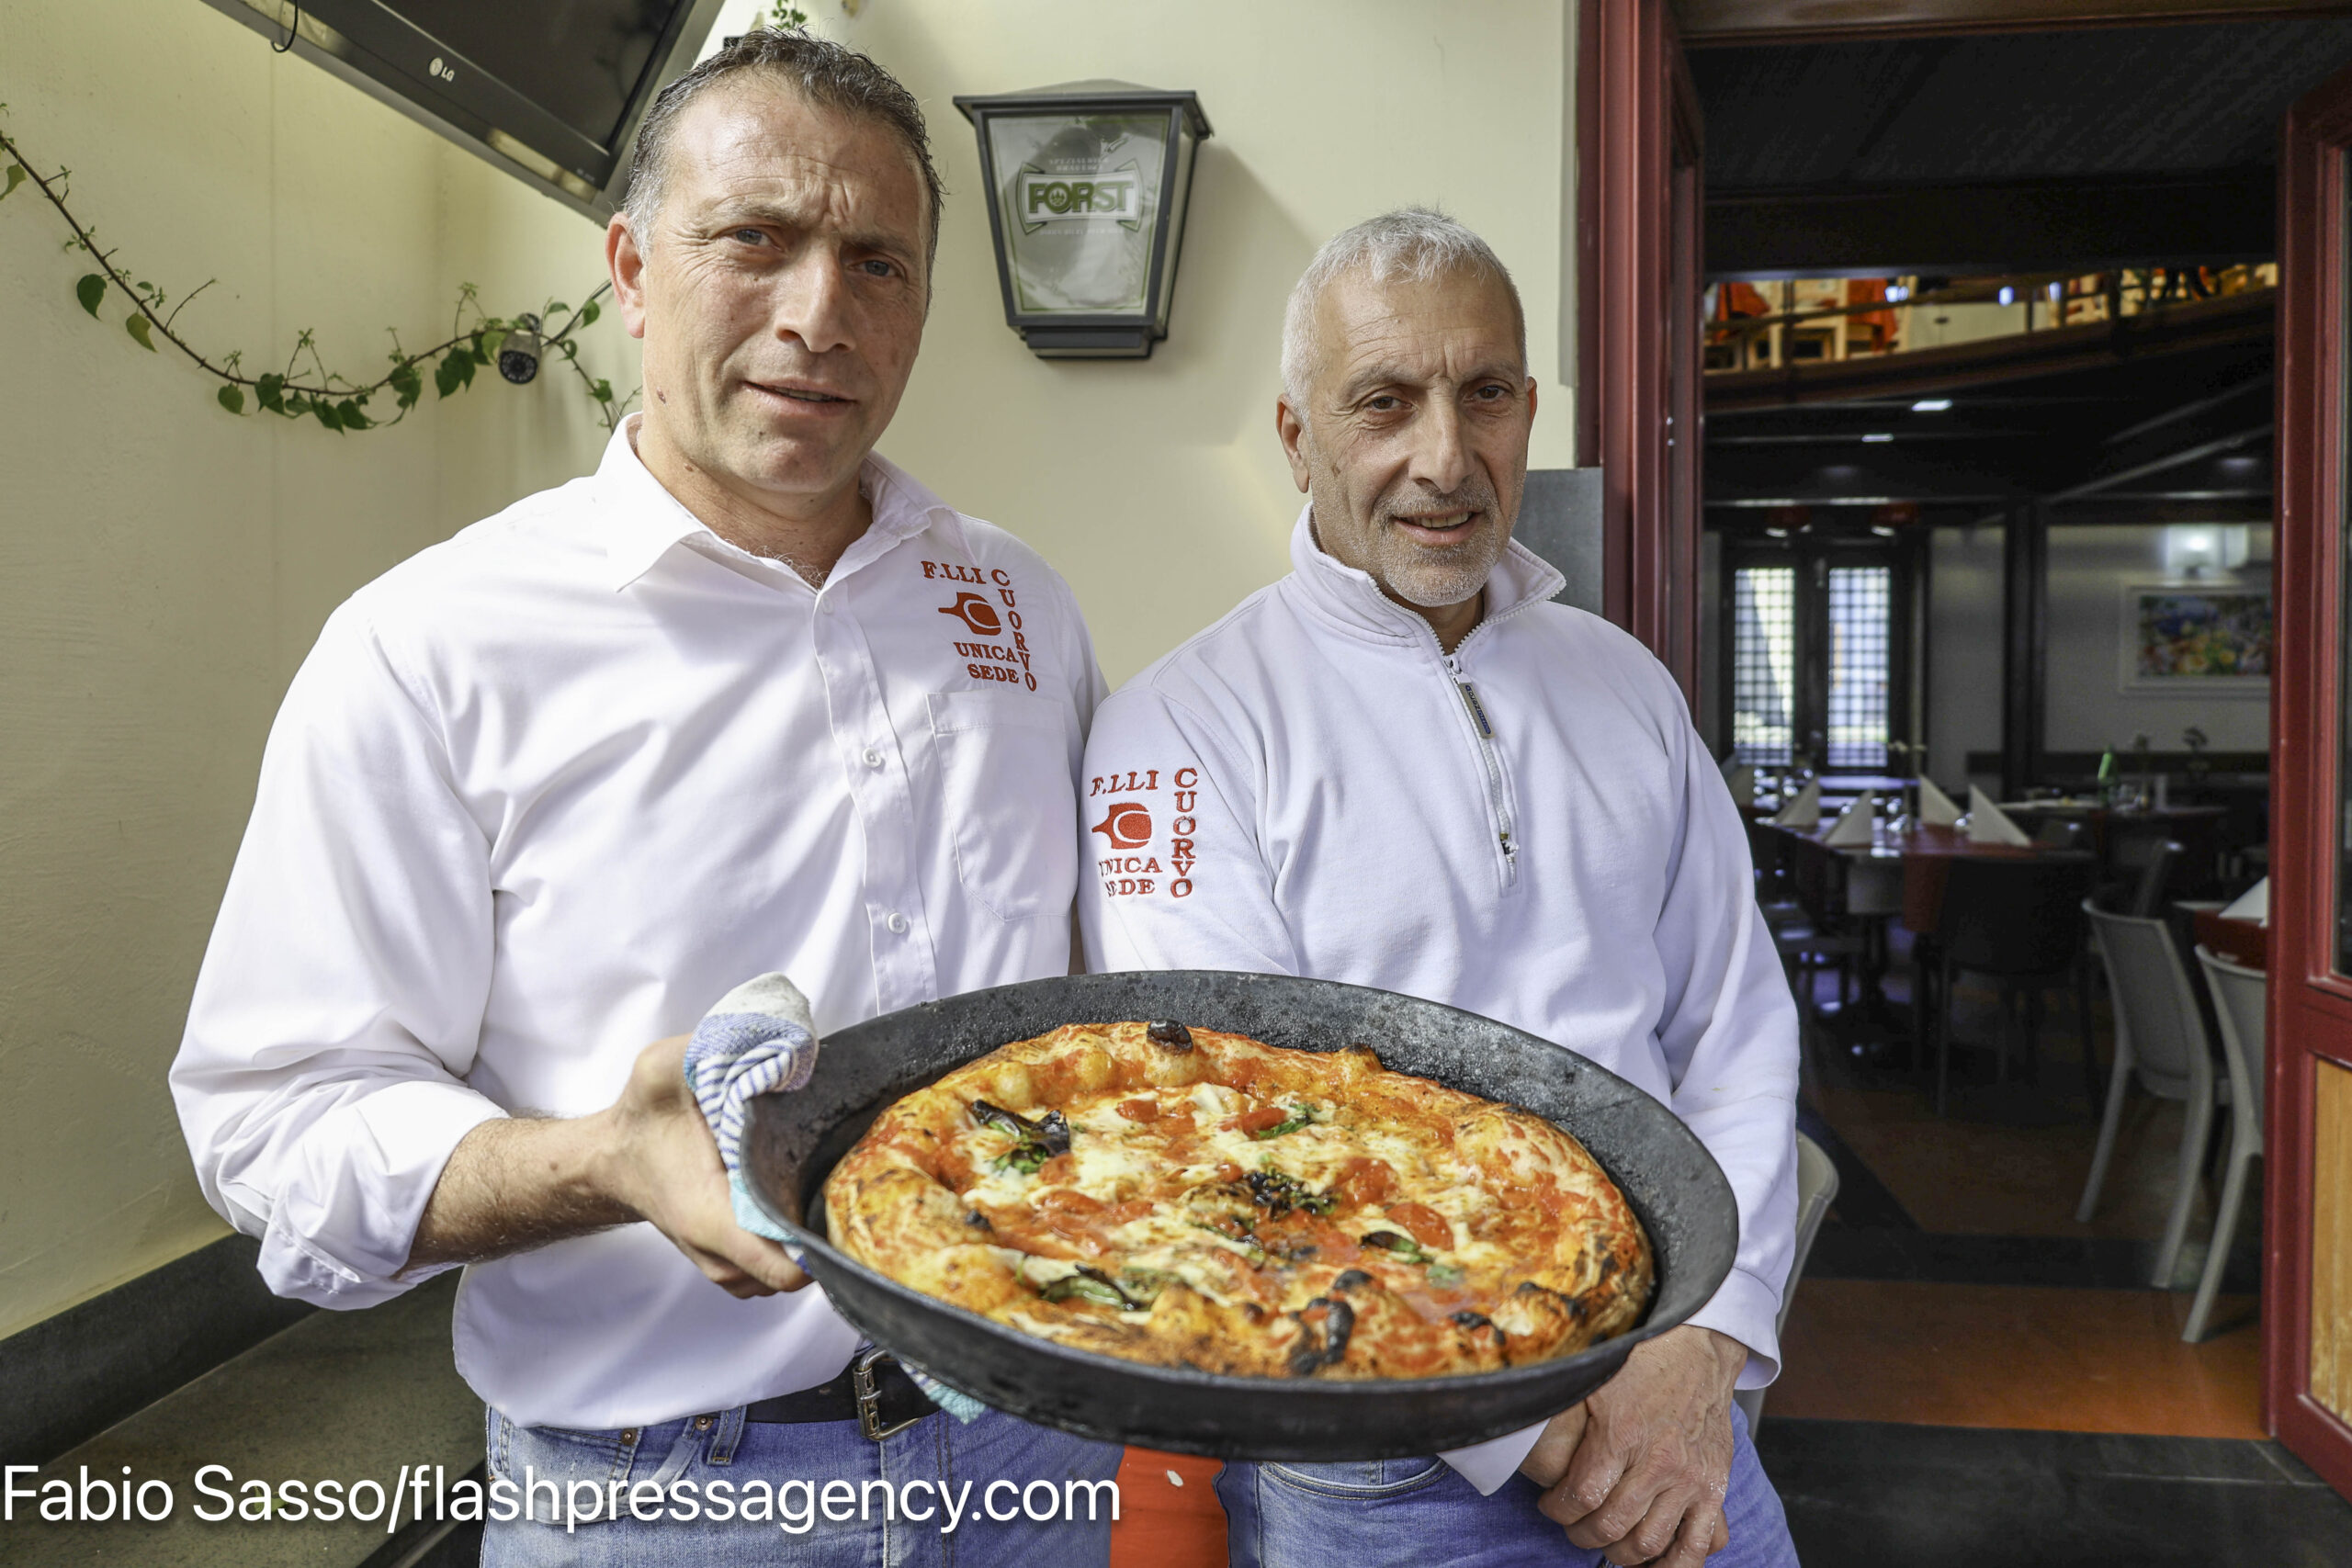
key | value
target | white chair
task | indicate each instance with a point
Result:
(2238, 997)
(1816, 1189)
(2160, 1044)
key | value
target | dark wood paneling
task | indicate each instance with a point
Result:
(2077, 224)
(2025, 623)
(1719, 23)
(1638, 355)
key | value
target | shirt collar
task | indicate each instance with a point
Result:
(643, 520)
(1349, 596)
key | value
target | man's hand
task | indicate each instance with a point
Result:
(515, 1183)
(661, 1162)
(1639, 1470)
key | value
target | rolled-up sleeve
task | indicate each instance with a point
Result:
(319, 1083)
(1729, 1034)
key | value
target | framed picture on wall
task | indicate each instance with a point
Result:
(2197, 639)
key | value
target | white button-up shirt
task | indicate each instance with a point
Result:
(544, 793)
(1529, 830)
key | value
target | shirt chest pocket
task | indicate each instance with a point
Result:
(1005, 788)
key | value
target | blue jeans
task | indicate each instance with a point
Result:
(1411, 1512)
(820, 1494)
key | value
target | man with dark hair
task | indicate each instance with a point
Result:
(544, 793)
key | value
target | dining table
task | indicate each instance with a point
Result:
(1899, 874)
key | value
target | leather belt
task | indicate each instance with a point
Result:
(873, 1391)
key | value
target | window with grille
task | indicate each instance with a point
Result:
(1763, 677)
(1862, 605)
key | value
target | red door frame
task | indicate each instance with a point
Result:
(1639, 272)
(2311, 1000)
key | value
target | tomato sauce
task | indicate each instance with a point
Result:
(1426, 1225)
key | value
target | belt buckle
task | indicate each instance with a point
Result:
(868, 1389)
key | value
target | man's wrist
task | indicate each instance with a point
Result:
(591, 1162)
(1730, 1356)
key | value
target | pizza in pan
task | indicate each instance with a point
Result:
(1189, 1198)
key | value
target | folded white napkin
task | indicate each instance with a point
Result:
(1741, 780)
(1853, 824)
(1937, 810)
(1988, 824)
(1804, 811)
(2254, 904)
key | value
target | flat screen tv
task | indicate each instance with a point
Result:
(551, 90)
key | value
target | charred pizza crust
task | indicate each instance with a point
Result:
(1190, 1198)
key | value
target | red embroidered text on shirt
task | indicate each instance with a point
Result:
(1129, 825)
(1005, 661)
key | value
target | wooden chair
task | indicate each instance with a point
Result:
(2016, 921)
(1828, 937)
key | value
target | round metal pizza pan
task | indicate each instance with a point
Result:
(792, 1142)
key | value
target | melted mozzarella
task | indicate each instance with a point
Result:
(1115, 1159)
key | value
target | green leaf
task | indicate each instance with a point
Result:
(1299, 1117)
(269, 392)
(557, 308)
(140, 332)
(230, 398)
(489, 343)
(16, 179)
(589, 312)
(1088, 1288)
(456, 370)
(325, 412)
(406, 384)
(91, 291)
(349, 415)
(602, 391)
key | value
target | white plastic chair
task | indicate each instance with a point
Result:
(2160, 1043)
(1816, 1189)
(2238, 997)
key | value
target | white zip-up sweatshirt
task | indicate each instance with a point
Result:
(1530, 830)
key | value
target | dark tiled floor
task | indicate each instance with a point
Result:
(2115, 1263)
(1876, 1495)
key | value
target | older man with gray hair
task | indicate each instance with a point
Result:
(545, 791)
(1403, 766)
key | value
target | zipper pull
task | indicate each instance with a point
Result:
(1477, 712)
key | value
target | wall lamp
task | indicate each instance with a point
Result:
(1089, 184)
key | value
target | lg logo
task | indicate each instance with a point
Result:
(441, 70)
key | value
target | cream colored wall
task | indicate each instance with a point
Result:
(1156, 486)
(164, 566)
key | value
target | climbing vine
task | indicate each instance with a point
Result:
(305, 388)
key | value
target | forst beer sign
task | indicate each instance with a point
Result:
(1041, 198)
(1088, 186)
